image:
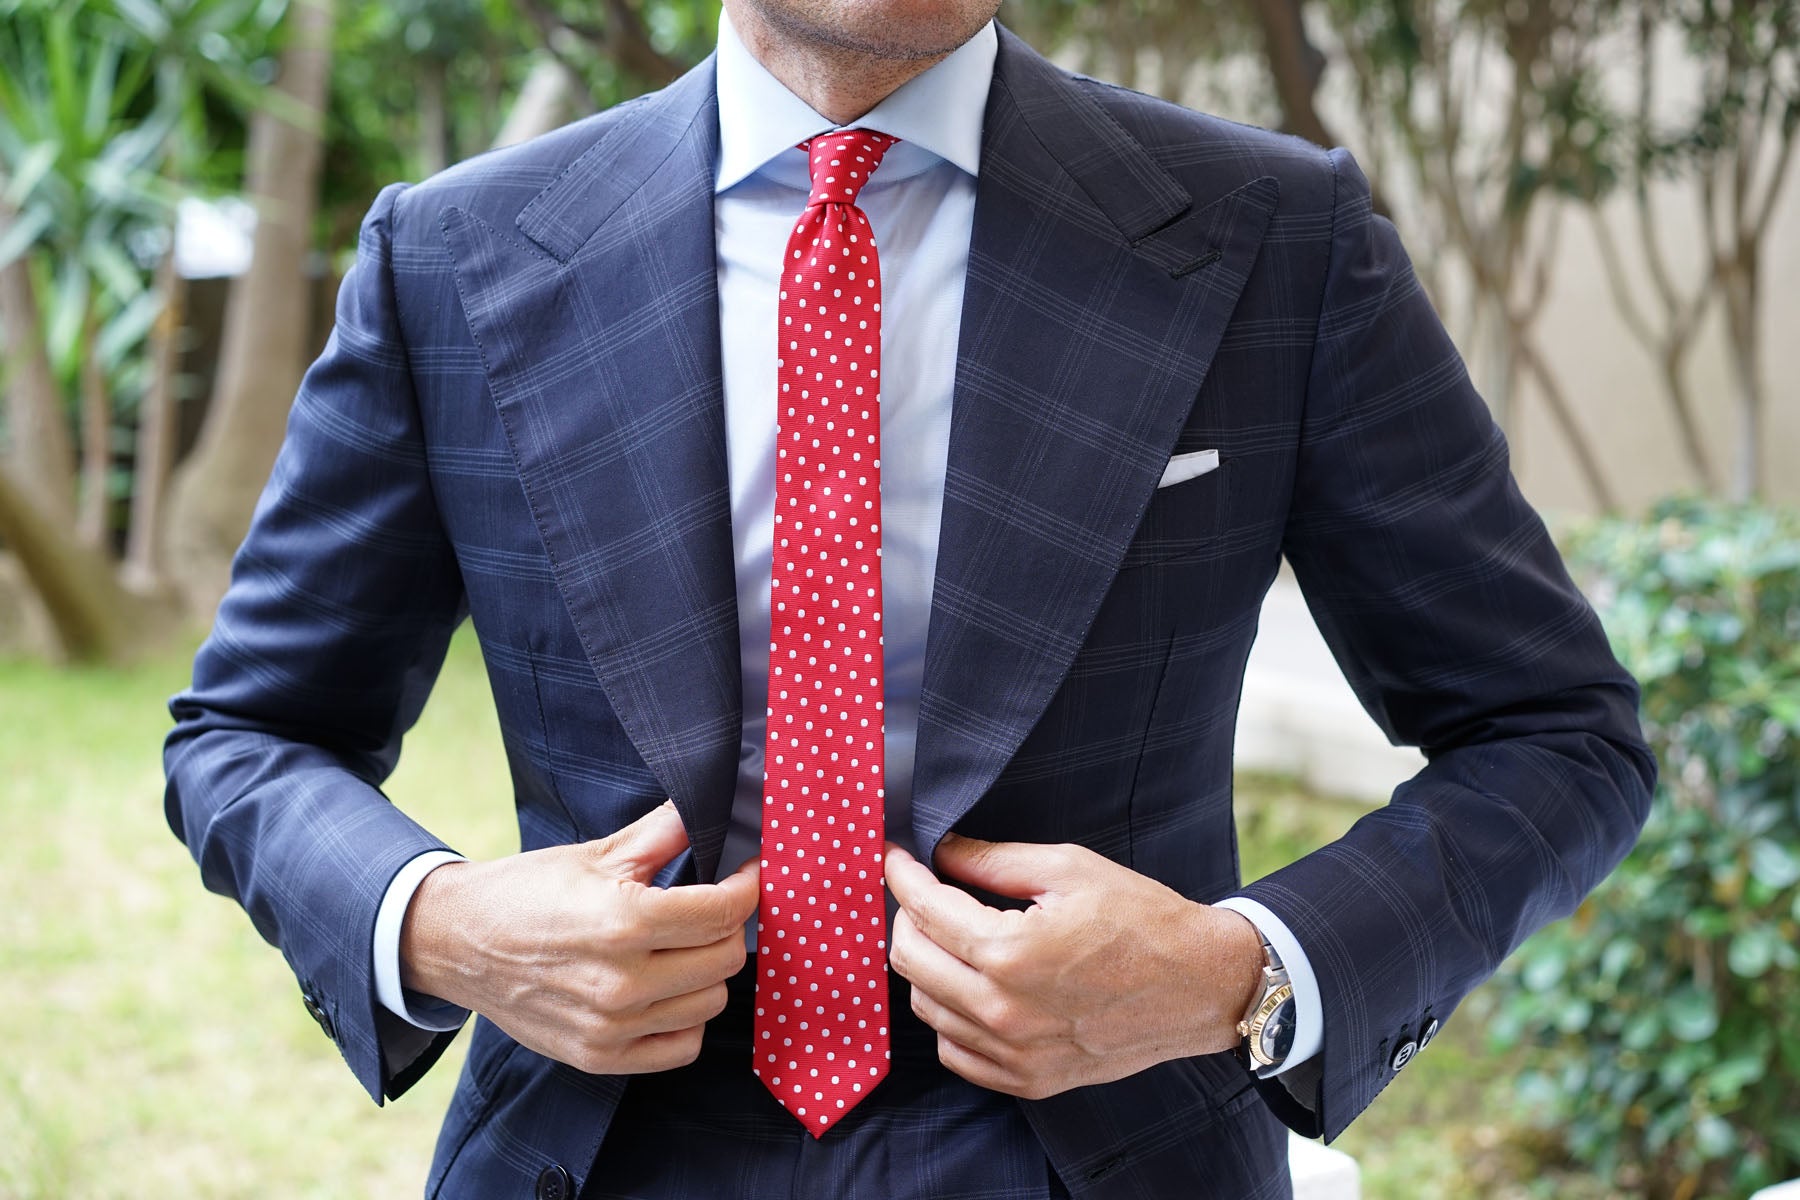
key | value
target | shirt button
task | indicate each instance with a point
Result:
(1404, 1053)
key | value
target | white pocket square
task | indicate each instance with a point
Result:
(1186, 466)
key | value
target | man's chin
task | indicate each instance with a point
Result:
(895, 30)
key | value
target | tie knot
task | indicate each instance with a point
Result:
(842, 162)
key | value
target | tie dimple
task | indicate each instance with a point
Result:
(821, 1026)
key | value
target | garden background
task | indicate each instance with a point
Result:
(1600, 198)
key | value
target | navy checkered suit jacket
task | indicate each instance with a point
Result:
(518, 419)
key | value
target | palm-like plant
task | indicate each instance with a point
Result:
(82, 157)
(105, 108)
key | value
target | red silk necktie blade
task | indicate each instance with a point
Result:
(821, 1027)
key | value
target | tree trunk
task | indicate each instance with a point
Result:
(1668, 340)
(1742, 308)
(41, 459)
(434, 119)
(96, 439)
(143, 569)
(1502, 374)
(1295, 66)
(544, 102)
(1693, 446)
(263, 346)
(94, 619)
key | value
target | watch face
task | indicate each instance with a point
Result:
(1278, 1033)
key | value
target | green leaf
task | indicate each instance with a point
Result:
(1726, 1080)
(1619, 954)
(1713, 1136)
(113, 269)
(1774, 864)
(1642, 1031)
(1690, 1014)
(1545, 970)
(19, 236)
(1753, 951)
(128, 327)
(1708, 923)
(29, 169)
(67, 315)
(1573, 1016)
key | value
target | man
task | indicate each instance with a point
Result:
(1084, 366)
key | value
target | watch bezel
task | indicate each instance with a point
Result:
(1258, 1021)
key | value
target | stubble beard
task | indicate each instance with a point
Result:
(821, 23)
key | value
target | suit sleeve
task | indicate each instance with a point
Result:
(1451, 614)
(343, 598)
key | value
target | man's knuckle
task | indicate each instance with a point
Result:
(616, 924)
(684, 1047)
(1001, 1014)
(718, 997)
(1000, 1017)
(601, 851)
(612, 992)
(594, 1054)
(734, 956)
(920, 1006)
(1001, 954)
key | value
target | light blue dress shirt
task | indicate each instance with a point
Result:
(921, 204)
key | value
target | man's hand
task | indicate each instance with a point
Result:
(1107, 973)
(576, 955)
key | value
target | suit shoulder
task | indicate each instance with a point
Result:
(1214, 155)
(495, 185)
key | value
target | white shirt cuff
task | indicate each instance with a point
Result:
(1309, 1015)
(438, 1016)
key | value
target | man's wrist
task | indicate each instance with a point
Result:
(433, 955)
(1309, 1012)
(1230, 975)
(1248, 961)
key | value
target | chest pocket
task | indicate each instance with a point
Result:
(1184, 521)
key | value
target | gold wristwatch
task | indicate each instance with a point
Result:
(1268, 1027)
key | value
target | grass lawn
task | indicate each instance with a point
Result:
(152, 1046)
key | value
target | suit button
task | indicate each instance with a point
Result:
(317, 1011)
(1430, 1032)
(1404, 1053)
(554, 1184)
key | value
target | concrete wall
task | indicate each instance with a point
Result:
(1611, 381)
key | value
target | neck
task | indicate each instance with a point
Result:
(837, 82)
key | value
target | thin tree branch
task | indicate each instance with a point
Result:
(1563, 414)
(1613, 268)
(1784, 161)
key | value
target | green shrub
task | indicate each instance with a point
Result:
(1664, 1018)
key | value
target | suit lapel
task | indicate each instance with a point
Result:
(597, 320)
(1097, 291)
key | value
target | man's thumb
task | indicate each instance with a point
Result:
(645, 846)
(1022, 870)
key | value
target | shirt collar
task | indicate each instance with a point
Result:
(937, 115)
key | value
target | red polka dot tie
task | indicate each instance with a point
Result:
(821, 1028)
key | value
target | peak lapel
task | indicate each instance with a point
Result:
(1097, 291)
(600, 340)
